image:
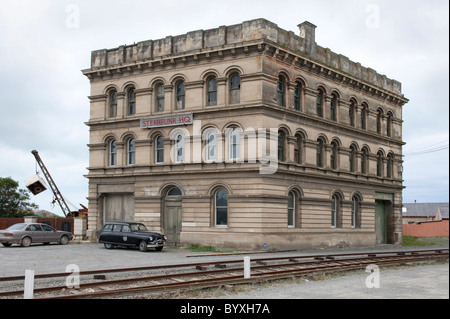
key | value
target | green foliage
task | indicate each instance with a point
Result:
(14, 202)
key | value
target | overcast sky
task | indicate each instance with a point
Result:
(44, 45)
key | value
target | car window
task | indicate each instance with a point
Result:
(34, 228)
(117, 227)
(126, 229)
(138, 227)
(108, 227)
(47, 228)
(16, 227)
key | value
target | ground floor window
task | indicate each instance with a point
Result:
(221, 207)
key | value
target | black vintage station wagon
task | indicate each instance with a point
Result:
(130, 235)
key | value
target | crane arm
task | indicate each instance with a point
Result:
(58, 196)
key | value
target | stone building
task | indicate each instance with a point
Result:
(242, 136)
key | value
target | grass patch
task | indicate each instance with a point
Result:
(198, 248)
(415, 241)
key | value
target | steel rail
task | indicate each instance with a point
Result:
(314, 266)
(212, 263)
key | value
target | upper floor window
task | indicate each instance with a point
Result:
(179, 148)
(298, 93)
(131, 101)
(334, 155)
(112, 153)
(320, 152)
(298, 150)
(180, 102)
(211, 146)
(389, 165)
(211, 91)
(235, 144)
(112, 109)
(379, 120)
(352, 112)
(319, 102)
(352, 158)
(356, 212)
(335, 211)
(281, 146)
(159, 98)
(281, 91)
(389, 124)
(235, 89)
(333, 107)
(364, 111)
(379, 164)
(159, 149)
(131, 151)
(364, 161)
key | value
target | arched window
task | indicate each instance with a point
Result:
(298, 95)
(364, 161)
(352, 112)
(112, 153)
(298, 150)
(352, 158)
(281, 91)
(356, 212)
(281, 146)
(335, 211)
(131, 101)
(235, 89)
(131, 151)
(334, 155)
(389, 124)
(364, 110)
(390, 165)
(320, 152)
(112, 102)
(379, 120)
(333, 107)
(159, 98)
(221, 207)
(235, 144)
(179, 148)
(211, 98)
(211, 146)
(180, 102)
(380, 164)
(319, 102)
(159, 149)
(174, 192)
(291, 210)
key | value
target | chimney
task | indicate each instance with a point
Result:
(308, 33)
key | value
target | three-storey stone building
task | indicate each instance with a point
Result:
(242, 136)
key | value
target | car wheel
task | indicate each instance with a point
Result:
(64, 240)
(26, 242)
(108, 246)
(143, 246)
(6, 244)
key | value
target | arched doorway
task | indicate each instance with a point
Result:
(173, 215)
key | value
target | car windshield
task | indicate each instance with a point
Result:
(16, 227)
(138, 227)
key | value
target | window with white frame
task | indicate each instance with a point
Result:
(131, 151)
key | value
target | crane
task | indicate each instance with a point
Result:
(58, 196)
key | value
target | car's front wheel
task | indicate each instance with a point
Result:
(109, 246)
(143, 246)
(64, 240)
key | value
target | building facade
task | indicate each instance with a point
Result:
(242, 136)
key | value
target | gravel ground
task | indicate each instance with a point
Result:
(429, 281)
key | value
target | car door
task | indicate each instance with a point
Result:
(128, 237)
(36, 233)
(51, 235)
(116, 234)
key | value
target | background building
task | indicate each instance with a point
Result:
(242, 136)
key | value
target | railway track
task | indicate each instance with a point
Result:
(144, 280)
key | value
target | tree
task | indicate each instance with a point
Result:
(14, 202)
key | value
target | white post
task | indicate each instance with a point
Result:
(29, 284)
(246, 267)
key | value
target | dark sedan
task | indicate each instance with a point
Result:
(130, 235)
(25, 234)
